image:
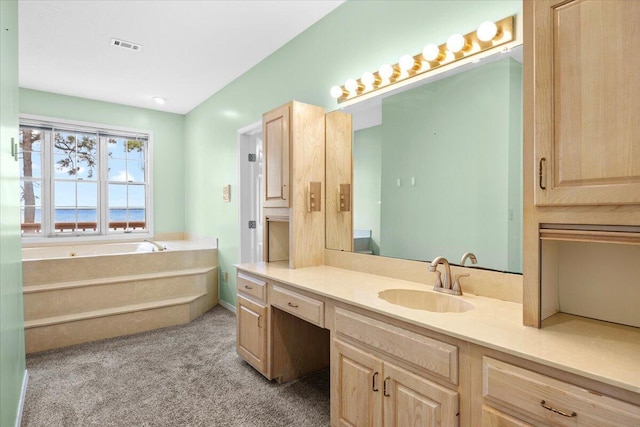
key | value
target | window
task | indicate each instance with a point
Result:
(81, 180)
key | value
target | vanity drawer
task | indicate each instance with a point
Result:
(552, 401)
(297, 304)
(253, 286)
(427, 354)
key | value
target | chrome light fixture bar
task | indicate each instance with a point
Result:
(488, 36)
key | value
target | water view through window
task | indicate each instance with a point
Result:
(82, 182)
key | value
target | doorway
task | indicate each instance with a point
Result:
(250, 162)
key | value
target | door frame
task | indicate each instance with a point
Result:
(243, 137)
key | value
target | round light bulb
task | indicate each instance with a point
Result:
(336, 92)
(406, 62)
(385, 71)
(351, 85)
(368, 78)
(456, 42)
(431, 52)
(487, 31)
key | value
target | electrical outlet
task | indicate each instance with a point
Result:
(225, 276)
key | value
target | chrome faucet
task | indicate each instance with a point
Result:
(444, 285)
(470, 256)
(465, 257)
(158, 246)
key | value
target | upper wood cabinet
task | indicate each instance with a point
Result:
(585, 101)
(294, 184)
(275, 134)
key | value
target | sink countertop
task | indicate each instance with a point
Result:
(601, 351)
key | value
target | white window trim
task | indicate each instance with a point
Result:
(111, 238)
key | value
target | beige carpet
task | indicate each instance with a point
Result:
(187, 375)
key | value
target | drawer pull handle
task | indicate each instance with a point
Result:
(259, 318)
(292, 305)
(373, 385)
(384, 389)
(247, 287)
(557, 411)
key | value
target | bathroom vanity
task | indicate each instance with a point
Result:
(393, 364)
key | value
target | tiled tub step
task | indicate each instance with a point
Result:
(77, 297)
(61, 331)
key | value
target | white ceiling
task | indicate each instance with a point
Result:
(190, 49)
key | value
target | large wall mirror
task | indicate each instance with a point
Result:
(437, 167)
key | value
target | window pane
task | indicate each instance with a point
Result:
(75, 155)
(64, 194)
(87, 194)
(135, 170)
(30, 139)
(118, 170)
(135, 149)
(30, 164)
(30, 203)
(117, 196)
(64, 143)
(116, 148)
(136, 196)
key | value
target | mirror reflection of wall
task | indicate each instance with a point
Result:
(441, 172)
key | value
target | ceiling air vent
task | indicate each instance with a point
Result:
(126, 45)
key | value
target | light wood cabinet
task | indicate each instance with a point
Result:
(251, 341)
(581, 146)
(272, 322)
(585, 105)
(358, 384)
(375, 392)
(275, 133)
(512, 395)
(371, 388)
(294, 184)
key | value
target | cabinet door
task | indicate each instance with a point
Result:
(275, 131)
(586, 104)
(358, 384)
(251, 340)
(410, 400)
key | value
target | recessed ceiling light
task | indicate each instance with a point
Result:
(159, 100)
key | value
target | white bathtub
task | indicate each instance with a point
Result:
(79, 293)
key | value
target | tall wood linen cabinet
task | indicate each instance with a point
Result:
(294, 184)
(582, 151)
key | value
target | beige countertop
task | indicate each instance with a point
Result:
(602, 351)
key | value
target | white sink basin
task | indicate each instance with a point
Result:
(424, 300)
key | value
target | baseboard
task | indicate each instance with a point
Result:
(23, 393)
(231, 308)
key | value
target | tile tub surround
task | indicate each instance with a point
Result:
(600, 351)
(99, 294)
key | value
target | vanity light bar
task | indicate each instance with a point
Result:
(488, 36)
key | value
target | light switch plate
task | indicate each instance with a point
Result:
(226, 193)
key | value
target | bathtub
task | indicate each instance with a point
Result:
(80, 293)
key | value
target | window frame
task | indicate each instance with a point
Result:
(48, 182)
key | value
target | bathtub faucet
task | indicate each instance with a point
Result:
(158, 246)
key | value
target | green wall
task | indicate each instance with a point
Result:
(367, 175)
(12, 361)
(454, 137)
(358, 36)
(168, 148)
